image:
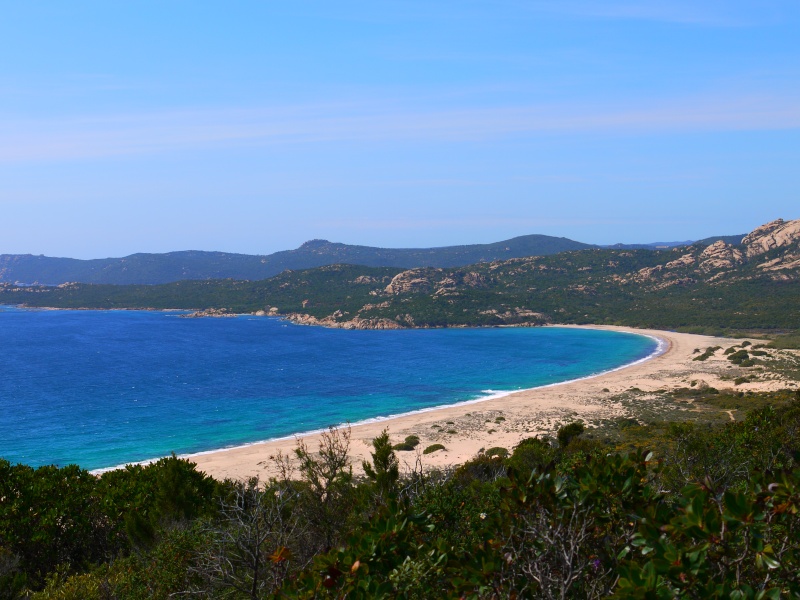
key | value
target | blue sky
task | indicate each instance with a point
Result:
(254, 126)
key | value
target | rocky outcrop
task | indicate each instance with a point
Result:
(355, 323)
(788, 261)
(365, 280)
(368, 307)
(685, 260)
(449, 286)
(720, 255)
(474, 280)
(517, 314)
(775, 234)
(720, 261)
(413, 281)
(209, 312)
(648, 273)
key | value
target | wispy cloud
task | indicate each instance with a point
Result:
(91, 137)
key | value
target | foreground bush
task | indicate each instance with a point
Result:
(715, 515)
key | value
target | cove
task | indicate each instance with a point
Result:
(104, 388)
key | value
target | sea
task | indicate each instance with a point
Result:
(105, 388)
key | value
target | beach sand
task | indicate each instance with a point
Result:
(466, 429)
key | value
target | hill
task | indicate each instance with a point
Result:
(192, 264)
(720, 286)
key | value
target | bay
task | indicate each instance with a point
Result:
(103, 388)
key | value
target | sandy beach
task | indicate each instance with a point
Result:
(466, 429)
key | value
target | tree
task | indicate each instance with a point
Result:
(254, 542)
(327, 491)
(385, 468)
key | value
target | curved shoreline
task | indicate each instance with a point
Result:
(662, 347)
(534, 411)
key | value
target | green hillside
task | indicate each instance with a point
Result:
(716, 287)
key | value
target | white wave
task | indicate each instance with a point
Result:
(661, 347)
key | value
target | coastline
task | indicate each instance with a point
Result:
(503, 419)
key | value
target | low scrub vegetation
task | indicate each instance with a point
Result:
(697, 511)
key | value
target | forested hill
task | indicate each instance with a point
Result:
(753, 285)
(177, 266)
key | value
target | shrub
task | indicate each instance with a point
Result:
(789, 341)
(738, 357)
(569, 432)
(709, 352)
(531, 453)
(403, 447)
(482, 468)
(433, 448)
(498, 451)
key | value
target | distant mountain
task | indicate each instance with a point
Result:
(735, 240)
(651, 246)
(192, 264)
(178, 266)
(753, 285)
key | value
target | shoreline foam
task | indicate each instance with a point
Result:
(662, 347)
(527, 413)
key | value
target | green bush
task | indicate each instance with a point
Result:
(709, 352)
(433, 448)
(403, 447)
(569, 432)
(496, 451)
(716, 514)
(531, 453)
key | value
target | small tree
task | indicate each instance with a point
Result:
(250, 547)
(385, 468)
(328, 484)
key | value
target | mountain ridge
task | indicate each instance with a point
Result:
(168, 267)
(754, 285)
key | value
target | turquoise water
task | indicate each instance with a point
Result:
(102, 388)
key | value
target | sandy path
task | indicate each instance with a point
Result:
(504, 421)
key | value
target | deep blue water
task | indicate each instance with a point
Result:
(101, 388)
